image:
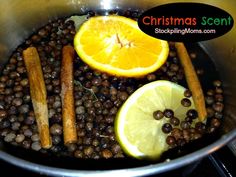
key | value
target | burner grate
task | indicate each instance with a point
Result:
(232, 146)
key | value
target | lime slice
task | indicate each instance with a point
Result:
(138, 133)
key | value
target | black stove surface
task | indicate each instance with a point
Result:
(219, 164)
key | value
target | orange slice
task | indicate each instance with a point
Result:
(116, 45)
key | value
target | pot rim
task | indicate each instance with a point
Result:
(137, 171)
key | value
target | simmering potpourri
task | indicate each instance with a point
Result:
(100, 88)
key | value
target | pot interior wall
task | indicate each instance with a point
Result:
(19, 19)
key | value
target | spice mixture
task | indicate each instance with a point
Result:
(98, 96)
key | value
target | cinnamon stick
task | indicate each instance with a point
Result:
(67, 97)
(38, 94)
(192, 80)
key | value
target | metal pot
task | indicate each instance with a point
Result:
(19, 18)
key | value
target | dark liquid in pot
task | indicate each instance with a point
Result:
(95, 106)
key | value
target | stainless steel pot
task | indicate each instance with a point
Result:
(19, 18)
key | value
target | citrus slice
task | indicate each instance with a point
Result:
(116, 45)
(139, 134)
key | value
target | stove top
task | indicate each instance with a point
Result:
(218, 164)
